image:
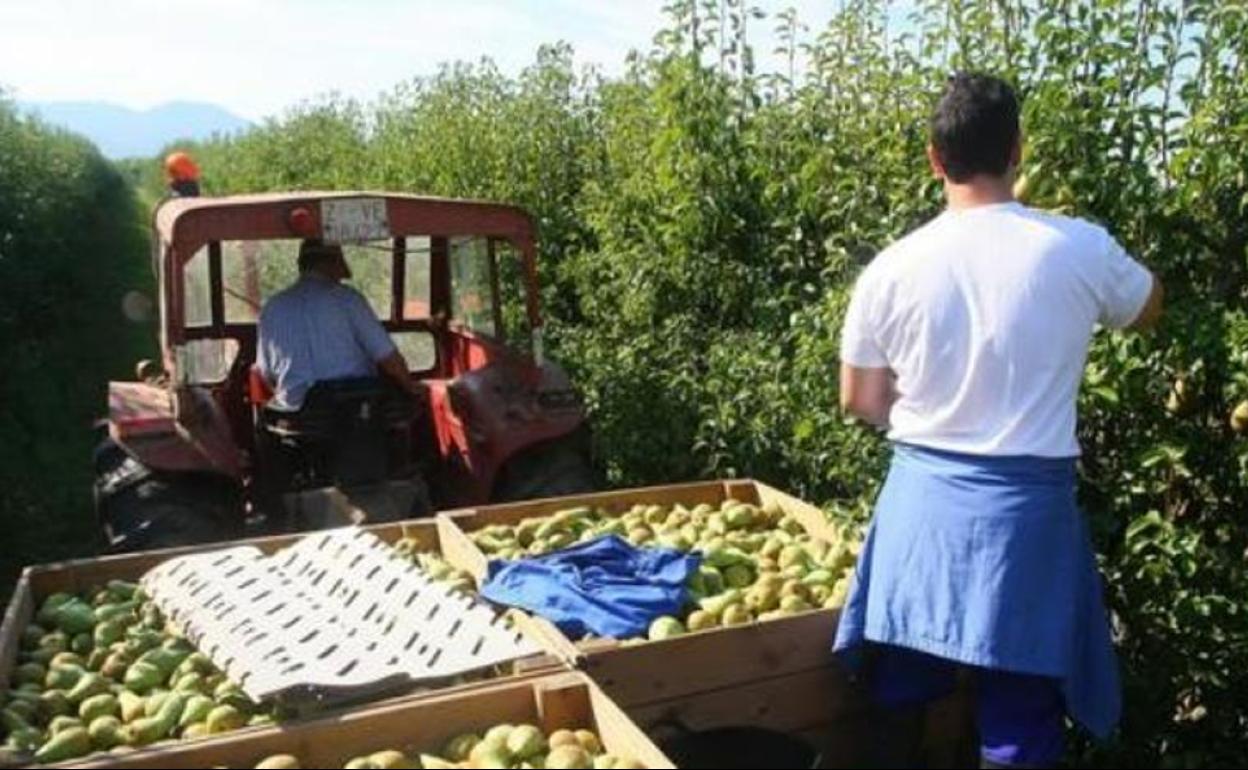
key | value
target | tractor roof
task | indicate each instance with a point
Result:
(189, 223)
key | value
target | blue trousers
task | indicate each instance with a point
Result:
(1021, 717)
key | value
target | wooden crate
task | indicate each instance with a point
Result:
(566, 700)
(822, 707)
(818, 705)
(649, 672)
(38, 582)
(78, 575)
(790, 703)
(777, 674)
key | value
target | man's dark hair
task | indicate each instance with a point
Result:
(974, 126)
(314, 252)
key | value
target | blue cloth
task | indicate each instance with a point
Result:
(986, 561)
(1020, 717)
(315, 331)
(605, 587)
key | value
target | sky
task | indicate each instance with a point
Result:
(257, 57)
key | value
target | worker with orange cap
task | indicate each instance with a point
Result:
(182, 173)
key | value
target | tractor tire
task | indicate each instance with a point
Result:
(139, 510)
(554, 468)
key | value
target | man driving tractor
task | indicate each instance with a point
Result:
(318, 330)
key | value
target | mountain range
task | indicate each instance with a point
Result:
(121, 132)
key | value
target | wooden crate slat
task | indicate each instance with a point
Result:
(618, 730)
(789, 703)
(18, 615)
(560, 701)
(713, 659)
(459, 549)
(710, 492)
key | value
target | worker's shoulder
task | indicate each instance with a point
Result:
(347, 295)
(299, 297)
(912, 246)
(1072, 228)
(1013, 226)
(276, 304)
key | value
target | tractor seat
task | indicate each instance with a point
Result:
(349, 432)
(360, 400)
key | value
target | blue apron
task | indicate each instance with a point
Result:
(987, 561)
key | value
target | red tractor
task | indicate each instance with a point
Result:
(191, 457)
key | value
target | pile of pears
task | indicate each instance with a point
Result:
(502, 746)
(758, 562)
(436, 567)
(102, 671)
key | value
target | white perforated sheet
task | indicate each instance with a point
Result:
(337, 616)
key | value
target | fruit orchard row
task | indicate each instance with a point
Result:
(702, 222)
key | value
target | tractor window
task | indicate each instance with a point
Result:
(416, 279)
(472, 290)
(253, 271)
(205, 362)
(418, 349)
(198, 291)
(372, 273)
(512, 293)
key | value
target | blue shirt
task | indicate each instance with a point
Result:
(317, 330)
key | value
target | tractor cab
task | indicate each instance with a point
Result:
(195, 452)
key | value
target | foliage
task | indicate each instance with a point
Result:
(702, 223)
(71, 243)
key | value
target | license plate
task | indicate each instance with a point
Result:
(354, 220)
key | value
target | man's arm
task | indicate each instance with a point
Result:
(868, 394)
(394, 367)
(1150, 314)
(1131, 297)
(867, 389)
(372, 336)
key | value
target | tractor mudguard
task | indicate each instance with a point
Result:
(178, 431)
(493, 414)
(160, 484)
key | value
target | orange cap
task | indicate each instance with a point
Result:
(180, 168)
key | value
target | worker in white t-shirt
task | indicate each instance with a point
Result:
(966, 340)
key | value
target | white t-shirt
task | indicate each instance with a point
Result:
(985, 316)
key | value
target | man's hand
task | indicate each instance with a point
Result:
(394, 366)
(868, 393)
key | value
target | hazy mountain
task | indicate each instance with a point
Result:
(121, 132)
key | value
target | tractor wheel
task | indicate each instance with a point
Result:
(140, 511)
(550, 469)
